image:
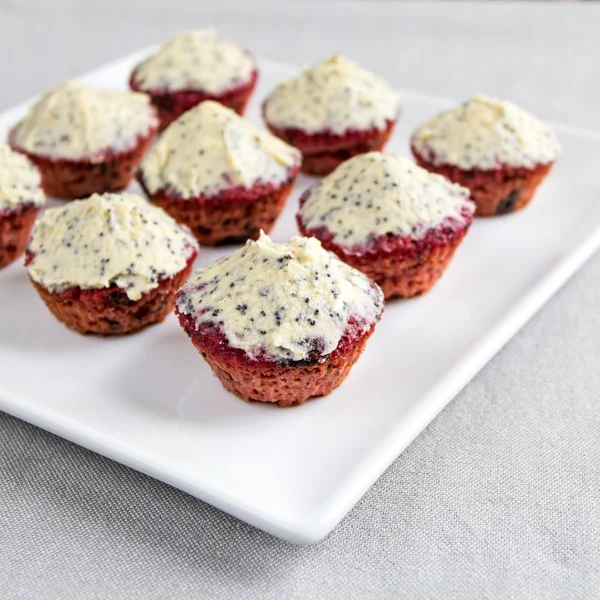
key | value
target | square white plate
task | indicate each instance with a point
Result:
(150, 402)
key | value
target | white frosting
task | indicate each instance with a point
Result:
(376, 194)
(485, 133)
(108, 239)
(210, 148)
(196, 60)
(288, 301)
(75, 121)
(335, 95)
(20, 181)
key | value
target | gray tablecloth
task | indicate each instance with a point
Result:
(498, 498)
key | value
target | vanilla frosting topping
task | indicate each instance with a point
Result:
(196, 60)
(335, 95)
(375, 194)
(20, 181)
(210, 148)
(288, 301)
(485, 133)
(74, 121)
(108, 239)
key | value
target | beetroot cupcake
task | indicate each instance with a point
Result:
(279, 323)
(332, 112)
(109, 264)
(384, 215)
(193, 67)
(219, 175)
(84, 140)
(496, 149)
(20, 198)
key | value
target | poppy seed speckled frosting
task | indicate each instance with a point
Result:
(377, 194)
(20, 181)
(486, 133)
(74, 121)
(196, 60)
(336, 95)
(281, 300)
(108, 239)
(210, 149)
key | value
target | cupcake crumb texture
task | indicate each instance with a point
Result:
(74, 122)
(283, 301)
(210, 149)
(485, 133)
(336, 95)
(377, 194)
(20, 181)
(196, 61)
(108, 239)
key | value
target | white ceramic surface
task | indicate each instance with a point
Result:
(150, 402)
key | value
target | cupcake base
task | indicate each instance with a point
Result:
(15, 230)
(109, 311)
(285, 384)
(495, 192)
(171, 105)
(233, 216)
(324, 152)
(70, 179)
(403, 267)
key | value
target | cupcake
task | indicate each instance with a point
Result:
(279, 323)
(493, 147)
(20, 198)
(192, 67)
(384, 215)
(221, 176)
(84, 140)
(109, 264)
(332, 112)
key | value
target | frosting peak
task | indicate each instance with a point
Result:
(74, 121)
(376, 194)
(108, 239)
(196, 60)
(285, 301)
(486, 133)
(335, 95)
(210, 148)
(20, 181)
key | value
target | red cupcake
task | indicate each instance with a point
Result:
(20, 198)
(495, 148)
(109, 264)
(387, 217)
(219, 175)
(84, 140)
(332, 112)
(193, 67)
(279, 323)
